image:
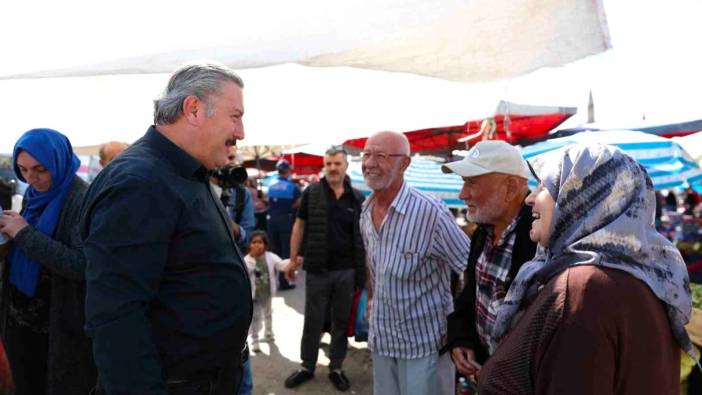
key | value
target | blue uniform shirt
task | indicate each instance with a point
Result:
(281, 196)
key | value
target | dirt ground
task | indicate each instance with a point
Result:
(278, 360)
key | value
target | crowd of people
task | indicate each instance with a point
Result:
(151, 279)
(680, 220)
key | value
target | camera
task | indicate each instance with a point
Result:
(230, 176)
(258, 273)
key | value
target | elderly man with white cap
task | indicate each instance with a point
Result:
(494, 187)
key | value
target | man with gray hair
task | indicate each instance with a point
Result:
(168, 301)
(412, 243)
(494, 187)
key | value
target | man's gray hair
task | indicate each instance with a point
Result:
(203, 81)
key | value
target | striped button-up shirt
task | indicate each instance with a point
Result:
(409, 259)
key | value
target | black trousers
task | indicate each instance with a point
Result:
(323, 290)
(28, 353)
(224, 381)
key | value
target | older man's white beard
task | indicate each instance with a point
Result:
(489, 212)
(378, 183)
(375, 184)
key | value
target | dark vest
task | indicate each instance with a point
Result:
(315, 242)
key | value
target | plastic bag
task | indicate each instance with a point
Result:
(351, 327)
(361, 329)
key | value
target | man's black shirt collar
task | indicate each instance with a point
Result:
(346, 184)
(184, 164)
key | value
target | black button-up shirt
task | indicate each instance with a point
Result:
(167, 291)
(341, 216)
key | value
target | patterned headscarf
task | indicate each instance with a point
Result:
(604, 216)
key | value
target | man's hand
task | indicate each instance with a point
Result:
(295, 263)
(464, 359)
(236, 230)
(11, 223)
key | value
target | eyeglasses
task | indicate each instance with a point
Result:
(335, 149)
(379, 156)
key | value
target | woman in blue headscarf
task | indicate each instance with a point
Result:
(601, 309)
(43, 289)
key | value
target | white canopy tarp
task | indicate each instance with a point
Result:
(284, 105)
(651, 72)
(460, 40)
(692, 143)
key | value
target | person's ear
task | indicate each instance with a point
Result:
(406, 160)
(193, 109)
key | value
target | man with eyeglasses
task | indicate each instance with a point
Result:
(494, 187)
(327, 235)
(412, 243)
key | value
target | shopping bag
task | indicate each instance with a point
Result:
(361, 329)
(351, 327)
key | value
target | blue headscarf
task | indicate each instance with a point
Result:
(53, 151)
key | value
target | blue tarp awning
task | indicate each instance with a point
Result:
(668, 164)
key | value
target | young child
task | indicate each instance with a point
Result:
(262, 266)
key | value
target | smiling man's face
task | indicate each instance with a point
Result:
(222, 126)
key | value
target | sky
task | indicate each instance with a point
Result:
(653, 71)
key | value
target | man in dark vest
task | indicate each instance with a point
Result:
(494, 188)
(327, 234)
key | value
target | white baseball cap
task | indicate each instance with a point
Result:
(490, 156)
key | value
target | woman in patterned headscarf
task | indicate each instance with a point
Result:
(602, 307)
(43, 286)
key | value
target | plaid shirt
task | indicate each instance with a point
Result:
(491, 273)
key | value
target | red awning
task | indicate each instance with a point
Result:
(514, 123)
(434, 140)
(304, 163)
(517, 129)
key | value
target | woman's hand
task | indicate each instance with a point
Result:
(11, 223)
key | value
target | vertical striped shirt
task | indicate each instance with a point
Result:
(409, 259)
